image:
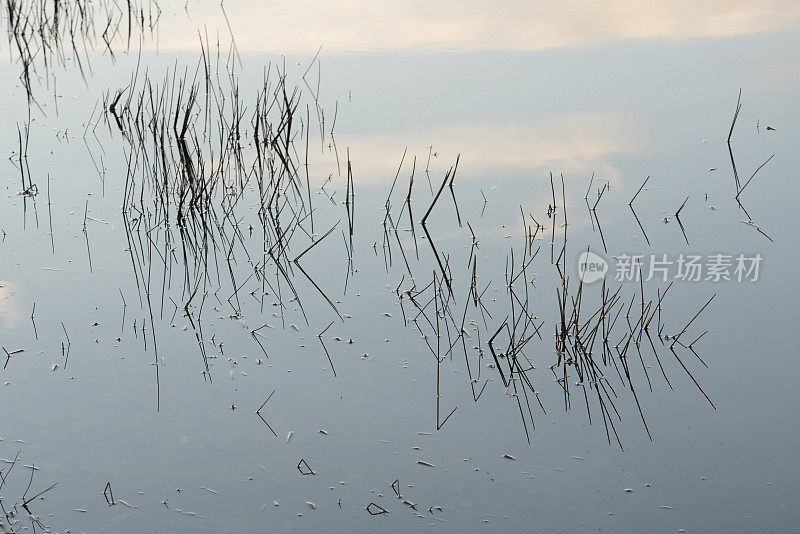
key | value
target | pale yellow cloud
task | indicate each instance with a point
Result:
(366, 25)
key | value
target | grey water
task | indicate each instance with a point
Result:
(109, 380)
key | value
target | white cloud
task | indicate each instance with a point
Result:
(576, 144)
(10, 314)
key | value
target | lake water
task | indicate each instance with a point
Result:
(157, 285)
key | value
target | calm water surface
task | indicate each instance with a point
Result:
(515, 91)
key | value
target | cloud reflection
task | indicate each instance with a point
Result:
(10, 313)
(575, 144)
(471, 25)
